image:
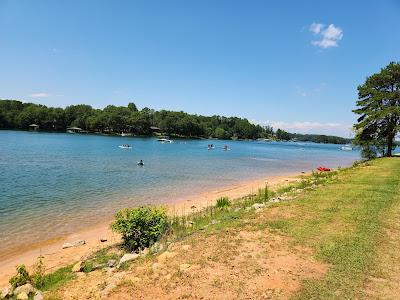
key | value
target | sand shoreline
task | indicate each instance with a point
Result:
(55, 256)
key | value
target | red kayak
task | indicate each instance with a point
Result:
(323, 169)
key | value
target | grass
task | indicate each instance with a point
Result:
(57, 278)
(342, 222)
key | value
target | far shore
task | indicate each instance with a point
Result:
(56, 257)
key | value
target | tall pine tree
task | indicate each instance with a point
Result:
(379, 109)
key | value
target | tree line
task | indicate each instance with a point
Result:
(112, 119)
(117, 119)
(378, 107)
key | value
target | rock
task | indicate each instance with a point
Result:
(22, 296)
(26, 288)
(73, 244)
(213, 222)
(165, 256)
(157, 247)
(127, 257)
(98, 266)
(186, 247)
(77, 267)
(38, 296)
(111, 263)
(144, 252)
(103, 239)
(5, 292)
(258, 206)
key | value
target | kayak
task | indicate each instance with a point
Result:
(323, 169)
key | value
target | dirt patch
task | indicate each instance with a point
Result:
(230, 264)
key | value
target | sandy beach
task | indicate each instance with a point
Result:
(56, 257)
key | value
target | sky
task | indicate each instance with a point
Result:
(294, 65)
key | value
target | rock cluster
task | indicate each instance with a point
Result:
(22, 292)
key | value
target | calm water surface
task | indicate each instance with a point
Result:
(52, 183)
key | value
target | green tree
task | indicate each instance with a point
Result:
(379, 109)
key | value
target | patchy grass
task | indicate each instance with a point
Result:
(57, 278)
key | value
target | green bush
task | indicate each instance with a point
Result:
(223, 202)
(141, 227)
(39, 273)
(21, 278)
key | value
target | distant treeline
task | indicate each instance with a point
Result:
(316, 138)
(117, 119)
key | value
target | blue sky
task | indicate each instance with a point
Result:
(292, 64)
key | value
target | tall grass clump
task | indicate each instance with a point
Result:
(223, 203)
(141, 227)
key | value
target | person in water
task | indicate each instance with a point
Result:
(140, 163)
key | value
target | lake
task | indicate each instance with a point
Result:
(52, 184)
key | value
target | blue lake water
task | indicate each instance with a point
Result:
(53, 183)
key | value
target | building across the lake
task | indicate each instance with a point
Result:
(34, 127)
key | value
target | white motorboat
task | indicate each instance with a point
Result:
(163, 140)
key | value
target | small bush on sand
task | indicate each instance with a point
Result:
(141, 227)
(21, 278)
(38, 276)
(223, 202)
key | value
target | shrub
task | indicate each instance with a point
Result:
(38, 276)
(21, 278)
(223, 202)
(141, 227)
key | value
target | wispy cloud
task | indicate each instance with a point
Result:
(39, 95)
(328, 36)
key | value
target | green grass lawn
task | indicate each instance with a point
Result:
(343, 222)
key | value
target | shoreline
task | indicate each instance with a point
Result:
(56, 257)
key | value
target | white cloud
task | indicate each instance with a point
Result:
(316, 27)
(39, 95)
(328, 36)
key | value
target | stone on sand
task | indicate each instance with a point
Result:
(74, 244)
(26, 288)
(127, 257)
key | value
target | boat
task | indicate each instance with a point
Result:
(125, 146)
(126, 134)
(323, 169)
(346, 148)
(163, 140)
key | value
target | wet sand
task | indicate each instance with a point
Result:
(56, 257)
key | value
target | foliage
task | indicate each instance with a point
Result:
(116, 119)
(141, 227)
(223, 202)
(38, 276)
(21, 278)
(379, 109)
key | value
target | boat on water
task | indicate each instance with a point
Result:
(164, 140)
(126, 146)
(346, 148)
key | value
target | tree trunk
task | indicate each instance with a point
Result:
(389, 145)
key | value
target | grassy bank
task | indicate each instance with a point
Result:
(327, 236)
